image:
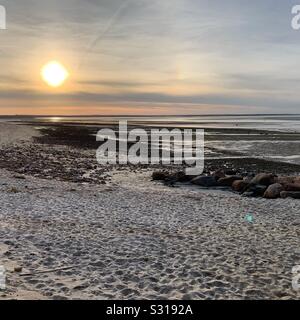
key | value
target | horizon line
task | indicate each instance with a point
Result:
(154, 115)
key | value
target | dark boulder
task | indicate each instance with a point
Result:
(228, 181)
(240, 185)
(273, 191)
(181, 176)
(290, 194)
(292, 187)
(160, 175)
(284, 180)
(265, 179)
(218, 174)
(255, 190)
(205, 181)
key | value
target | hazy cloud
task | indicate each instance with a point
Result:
(162, 53)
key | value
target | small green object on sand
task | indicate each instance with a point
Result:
(249, 218)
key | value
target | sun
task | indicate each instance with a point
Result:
(54, 74)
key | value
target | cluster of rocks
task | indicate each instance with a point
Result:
(54, 162)
(265, 185)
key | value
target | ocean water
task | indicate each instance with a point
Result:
(286, 123)
(228, 136)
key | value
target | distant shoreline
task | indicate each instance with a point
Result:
(151, 116)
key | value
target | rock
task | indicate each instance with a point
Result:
(290, 194)
(13, 190)
(182, 177)
(205, 181)
(248, 178)
(248, 175)
(160, 175)
(8, 242)
(259, 189)
(292, 187)
(228, 181)
(18, 269)
(218, 174)
(297, 179)
(285, 180)
(264, 179)
(230, 172)
(256, 190)
(273, 191)
(239, 185)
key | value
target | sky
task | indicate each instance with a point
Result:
(151, 57)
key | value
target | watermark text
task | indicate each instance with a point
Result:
(2, 278)
(2, 18)
(296, 278)
(296, 17)
(153, 146)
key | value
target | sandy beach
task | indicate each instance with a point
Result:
(125, 236)
(149, 150)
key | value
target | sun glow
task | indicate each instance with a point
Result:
(54, 74)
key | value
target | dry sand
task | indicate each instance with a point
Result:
(141, 240)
